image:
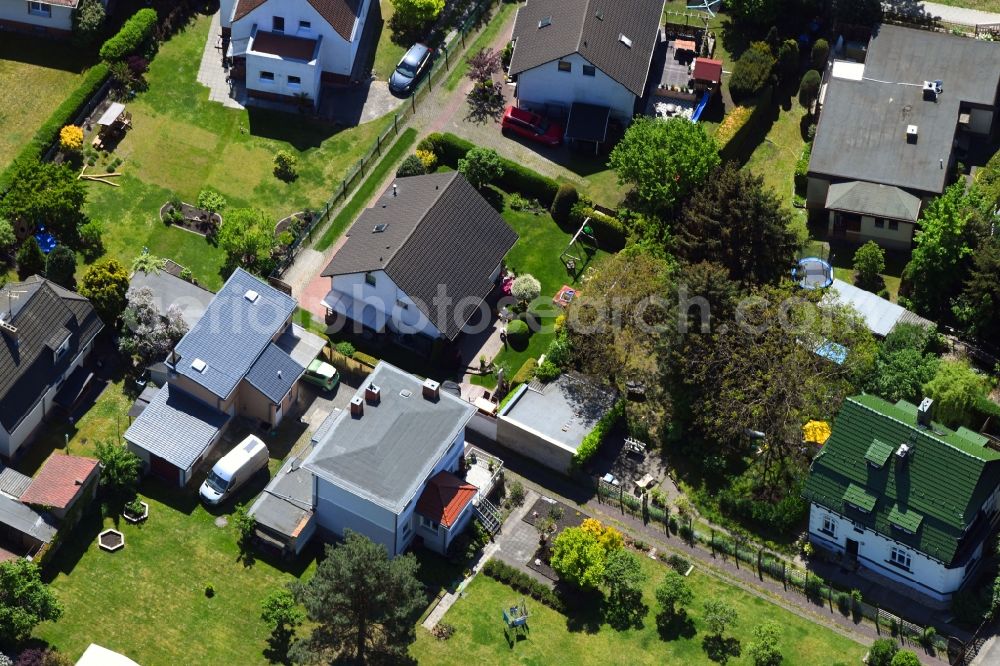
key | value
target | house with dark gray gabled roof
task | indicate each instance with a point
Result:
(892, 128)
(46, 334)
(586, 59)
(903, 497)
(421, 261)
(243, 358)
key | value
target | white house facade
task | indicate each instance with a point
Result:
(559, 83)
(374, 301)
(53, 18)
(287, 49)
(905, 498)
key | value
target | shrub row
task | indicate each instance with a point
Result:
(449, 149)
(676, 562)
(525, 372)
(64, 115)
(362, 357)
(802, 168)
(524, 584)
(592, 442)
(132, 35)
(609, 231)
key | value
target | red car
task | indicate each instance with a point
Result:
(531, 126)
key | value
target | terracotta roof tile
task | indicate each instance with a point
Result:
(444, 498)
(340, 14)
(58, 481)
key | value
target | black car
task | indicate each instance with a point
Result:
(414, 64)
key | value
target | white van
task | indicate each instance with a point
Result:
(233, 470)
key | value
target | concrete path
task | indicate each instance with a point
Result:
(212, 74)
(989, 655)
(508, 542)
(960, 15)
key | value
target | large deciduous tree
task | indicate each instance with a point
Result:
(941, 243)
(869, 262)
(623, 578)
(734, 220)
(978, 308)
(105, 284)
(580, 554)
(663, 160)
(29, 258)
(481, 166)
(120, 469)
(904, 364)
(60, 266)
(247, 238)
(25, 600)
(363, 604)
(956, 388)
(44, 193)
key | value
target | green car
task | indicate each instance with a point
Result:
(322, 375)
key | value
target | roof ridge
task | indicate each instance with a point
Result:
(450, 179)
(929, 434)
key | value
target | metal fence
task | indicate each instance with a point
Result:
(761, 562)
(357, 174)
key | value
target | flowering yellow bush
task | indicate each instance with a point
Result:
(428, 159)
(732, 123)
(71, 137)
(609, 538)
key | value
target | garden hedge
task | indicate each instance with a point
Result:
(592, 442)
(132, 35)
(525, 372)
(362, 357)
(449, 149)
(64, 115)
(523, 583)
(610, 233)
(802, 169)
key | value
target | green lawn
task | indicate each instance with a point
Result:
(181, 143)
(982, 5)
(479, 631)
(841, 257)
(388, 53)
(148, 600)
(540, 242)
(36, 75)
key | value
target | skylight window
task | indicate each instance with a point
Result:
(199, 365)
(625, 40)
(251, 295)
(545, 21)
(379, 228)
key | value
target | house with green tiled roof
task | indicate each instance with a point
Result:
(904, 496)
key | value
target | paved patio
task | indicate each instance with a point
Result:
(211, 72)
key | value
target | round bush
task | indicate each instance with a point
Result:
(525, 288)
(562, 204)
(809, 88)
(517, 333)
(411, 166)
(346, 348)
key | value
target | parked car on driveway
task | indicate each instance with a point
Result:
(531, 126)
(322, 375)
(414, 65)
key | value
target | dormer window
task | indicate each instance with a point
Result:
(61, 350)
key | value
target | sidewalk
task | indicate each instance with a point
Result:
(960, 15)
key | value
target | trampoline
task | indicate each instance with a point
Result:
(46, 241)
(813, 273)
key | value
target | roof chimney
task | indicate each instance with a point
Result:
(373, 394)
(394, 189)
(432, 390)
(924, 413)
(357, 407)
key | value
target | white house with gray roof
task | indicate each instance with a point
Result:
(584, 58)
(421, 261)
(243, 358)
(53, 18)
(390, 466)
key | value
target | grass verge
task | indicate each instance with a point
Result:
(361, 196)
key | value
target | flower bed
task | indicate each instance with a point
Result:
(191, 218)
(111, 540)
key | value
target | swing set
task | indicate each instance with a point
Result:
(515, 618)
(576, 247)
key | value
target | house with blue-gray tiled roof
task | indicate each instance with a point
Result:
(904, 497)
(243, 358)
